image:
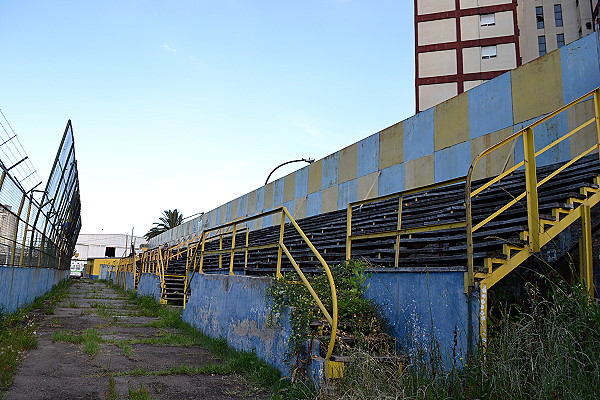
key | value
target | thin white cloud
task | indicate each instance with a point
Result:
(169, 48)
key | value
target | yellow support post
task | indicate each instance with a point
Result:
(597, 116)
(14, 242)
(246, 251)
(349, 232)
(220, 248)
(586, 251)
(398, 228)
(22, 255)
(232, 256)
(202, 253)
(533, 212)
(279, 249)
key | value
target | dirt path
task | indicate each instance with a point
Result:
(115, 342)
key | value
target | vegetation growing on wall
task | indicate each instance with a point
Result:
(360, 324)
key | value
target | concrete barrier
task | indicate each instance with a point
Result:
(428, 312)
(20, 286)
(149, 285)
(234, 307)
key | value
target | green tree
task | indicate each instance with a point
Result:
(168, 220)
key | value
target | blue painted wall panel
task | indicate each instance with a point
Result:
(290, 206)
(260, 200)
(580, 68)
(418, 135)
(242, 206)
(490, 106)
(330, 167)
(347, 193)
(314, 204)
(452, 162)
(234, 308)
(301, 186)
(228, 212)
(20, 286)
(545, 134)
(278, 191)
(426, 309)
(368, 155)
(149, 285)
(391, 180)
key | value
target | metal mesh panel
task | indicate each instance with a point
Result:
(40, 228)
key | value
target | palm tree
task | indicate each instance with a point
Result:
(169, 219)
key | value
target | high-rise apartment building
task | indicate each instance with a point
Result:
(462, 43)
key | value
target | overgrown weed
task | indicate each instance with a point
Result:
(550, 350)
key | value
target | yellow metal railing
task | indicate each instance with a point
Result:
(531, 182)
(536, 235)
(155, 261)
(399, 231)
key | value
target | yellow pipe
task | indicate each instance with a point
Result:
(334, 303)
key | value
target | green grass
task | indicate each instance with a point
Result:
(125, 348)
(90, 340)
(112, 394)
(17, 332)
(233, 361)
(140, 393)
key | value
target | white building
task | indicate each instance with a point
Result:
(90, 246)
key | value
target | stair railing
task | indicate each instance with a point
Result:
(534, 222)
(238, 228)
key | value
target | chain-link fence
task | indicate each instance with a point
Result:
(39, 228)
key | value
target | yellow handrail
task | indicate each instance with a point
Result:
(532, 184)
(196, 250)
(399, 231)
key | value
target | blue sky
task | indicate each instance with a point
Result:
(189, 104)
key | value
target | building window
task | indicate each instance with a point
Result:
(542, 45)
(558, 15)
(539, 17)
(560, 39)
(487, 19)
(488, 52)
(109, 252)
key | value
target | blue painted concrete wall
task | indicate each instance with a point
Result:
(149, 285)
(234, 308)
(20, 286)
(426, 309)
(129, 283)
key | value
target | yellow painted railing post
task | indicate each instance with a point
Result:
(349, 232)
(14, 242)
(597, 115)
(398, 227)
(232, 256)
(247, 243)
(279, 248)
(533, 212)
(220, 248)
(200, 269)
(21, 257)
(586, 264)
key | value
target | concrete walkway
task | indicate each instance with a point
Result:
(63, 370)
